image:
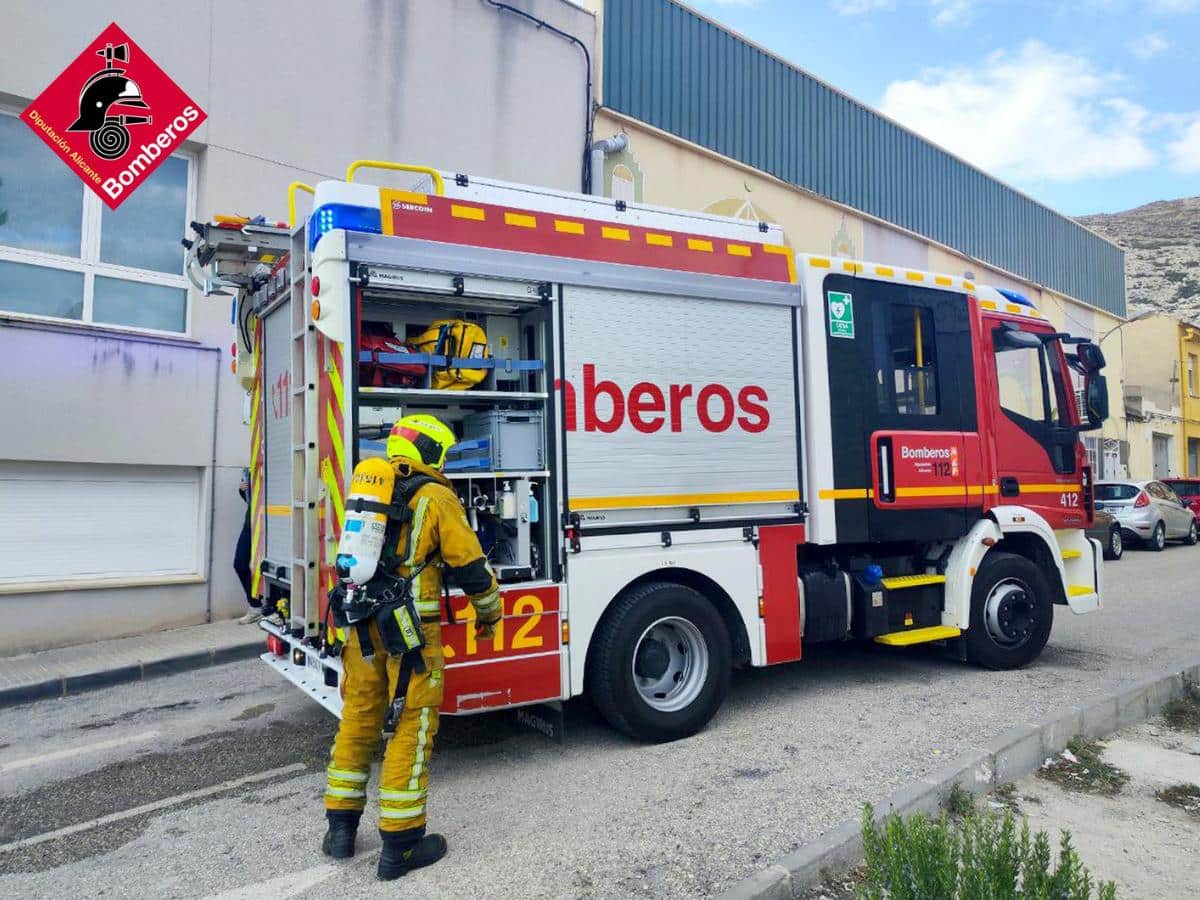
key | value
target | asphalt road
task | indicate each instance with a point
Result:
(208, 784)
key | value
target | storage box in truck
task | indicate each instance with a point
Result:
(683, 446)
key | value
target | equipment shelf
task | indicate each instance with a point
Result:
(386, 395)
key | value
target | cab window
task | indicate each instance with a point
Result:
(906, 362)
(1034, 388)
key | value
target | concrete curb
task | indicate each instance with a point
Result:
(68, 683)
(1012, 754)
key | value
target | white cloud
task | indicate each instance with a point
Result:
(951, 12)
(1184, 152)
(860, 7)
(1035, 114)
(1148, 46)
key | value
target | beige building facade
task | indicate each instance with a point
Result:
(1162, 397)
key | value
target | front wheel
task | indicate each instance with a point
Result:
(659, 666)
(1158, 540)
(1192, 536)
(1011, 612)
(1115, 548)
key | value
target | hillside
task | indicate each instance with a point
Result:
(1162, 254)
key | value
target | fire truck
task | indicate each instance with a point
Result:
(688, 448)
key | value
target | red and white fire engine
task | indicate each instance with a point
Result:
(690, 448)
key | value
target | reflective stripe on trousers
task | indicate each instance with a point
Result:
(404, 775)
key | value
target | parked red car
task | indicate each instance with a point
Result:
(1188, 490)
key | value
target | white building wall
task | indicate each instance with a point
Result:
(293, 91)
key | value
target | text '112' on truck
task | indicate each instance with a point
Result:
(683, 446)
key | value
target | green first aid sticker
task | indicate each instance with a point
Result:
(841, 315)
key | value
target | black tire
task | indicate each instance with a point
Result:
(1158, 540)
(1114, 547)
(1192, 536)
(673, 610)
(1023, 612)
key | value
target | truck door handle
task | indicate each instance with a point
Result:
(887, 472)
(1010, 487)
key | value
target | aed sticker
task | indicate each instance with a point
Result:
(841, 315)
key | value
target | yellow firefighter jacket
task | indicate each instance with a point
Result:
(443, 537)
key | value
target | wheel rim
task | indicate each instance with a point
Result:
(1192, 533)
(1114, 543)
(1160, 536)
(1009, 613)
(670, 664)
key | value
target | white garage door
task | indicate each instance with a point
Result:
(73, 522)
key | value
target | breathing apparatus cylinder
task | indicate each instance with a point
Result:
(363, 536)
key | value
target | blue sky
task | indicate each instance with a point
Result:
(1087, 105)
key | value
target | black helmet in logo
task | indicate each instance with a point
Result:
(107, 88)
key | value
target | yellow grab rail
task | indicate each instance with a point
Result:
(439, 187)
(292, 188)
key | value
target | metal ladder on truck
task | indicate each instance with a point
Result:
(304, 606)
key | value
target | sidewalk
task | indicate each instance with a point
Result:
(69, 670)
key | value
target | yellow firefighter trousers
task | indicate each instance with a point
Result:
(404, 776)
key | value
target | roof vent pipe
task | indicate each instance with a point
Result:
(601, 149)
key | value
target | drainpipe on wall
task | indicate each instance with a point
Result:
(601, 149)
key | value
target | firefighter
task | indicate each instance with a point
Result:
(442, 538)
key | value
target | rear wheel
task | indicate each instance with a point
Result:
(1192, 536)
(1158, 539)
(660, 662)
(1115, 548)
(1011, 612)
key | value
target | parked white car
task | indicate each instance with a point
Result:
(1148, 511)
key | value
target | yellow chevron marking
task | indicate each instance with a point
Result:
(335, 436)
(335, 494)
(335, 382)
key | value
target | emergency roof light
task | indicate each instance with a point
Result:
(1014, 297)
(337, 204)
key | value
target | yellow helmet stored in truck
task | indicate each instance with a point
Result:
(421, 438)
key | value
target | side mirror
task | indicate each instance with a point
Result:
(1015, 338)
(1091, 356)
(1095, 399)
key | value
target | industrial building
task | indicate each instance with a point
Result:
(765, 139)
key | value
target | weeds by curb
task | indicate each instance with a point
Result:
(1081, 768)
(1182, 796)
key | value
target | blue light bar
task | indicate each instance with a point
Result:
(342, 215)
(1014, 297)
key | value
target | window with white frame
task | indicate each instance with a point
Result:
(65, 255)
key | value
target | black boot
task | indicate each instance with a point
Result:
(339, 839)
(404, 851)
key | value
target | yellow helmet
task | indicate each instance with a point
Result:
(422, 438)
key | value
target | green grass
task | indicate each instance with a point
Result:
(984, 857)
(1089, 774)
(960, 802)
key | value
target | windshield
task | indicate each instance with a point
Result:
(1116, 491)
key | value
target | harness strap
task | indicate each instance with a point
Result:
(366, 646)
